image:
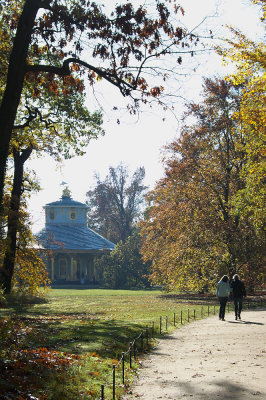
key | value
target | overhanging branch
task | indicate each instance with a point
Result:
(65, 70)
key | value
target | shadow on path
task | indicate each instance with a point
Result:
(246, 322)
(217, 389)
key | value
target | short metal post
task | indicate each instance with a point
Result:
(152, 330)
(102, 392)
(194, 314)
(113, 382)
(188, 315)
(123, 368)
(130, 355)
(208, 310)
(174, 318)
(160, 325)
(181, 317)
(201, 311)
(166, 323)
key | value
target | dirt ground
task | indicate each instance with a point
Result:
(208, 359)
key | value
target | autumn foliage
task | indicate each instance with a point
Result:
(249, 57)
(194, 231)
(26, 367)
(30, 273)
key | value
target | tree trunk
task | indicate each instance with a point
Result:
(13, 218)
(14, 84)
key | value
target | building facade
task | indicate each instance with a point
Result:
(70, 246)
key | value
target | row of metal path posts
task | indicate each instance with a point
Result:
(147, 335)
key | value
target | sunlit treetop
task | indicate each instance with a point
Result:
(249, 57)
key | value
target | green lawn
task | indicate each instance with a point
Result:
(67, 345)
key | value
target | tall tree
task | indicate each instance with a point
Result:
(29, 270)
(115, 203)
(194, 233)
(68, 39)
(249, 58)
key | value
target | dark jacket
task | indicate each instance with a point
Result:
(238, 289)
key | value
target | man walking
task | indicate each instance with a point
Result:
(238, 291)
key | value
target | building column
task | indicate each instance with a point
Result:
(52, 268)
(72, 268)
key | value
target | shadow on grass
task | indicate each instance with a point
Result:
(15, 300)
(188, 298)
(95, 287)
(94, 337)
(208, 297)
(23, 307)
(107, 338)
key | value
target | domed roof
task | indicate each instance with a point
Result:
(66, 201)
(66, 228)
(64, 236)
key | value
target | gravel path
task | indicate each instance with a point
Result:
(208, 360)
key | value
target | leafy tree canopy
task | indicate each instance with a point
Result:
(124, 267)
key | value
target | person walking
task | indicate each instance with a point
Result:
(222, 292)
(238, 291)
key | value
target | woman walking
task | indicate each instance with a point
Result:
(222, 292)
